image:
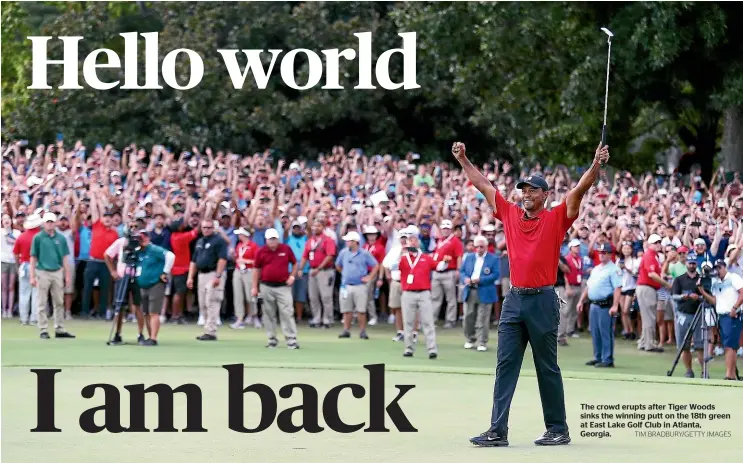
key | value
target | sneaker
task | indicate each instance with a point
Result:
(448, 325)
(248, 320)
(272, 342)
(553, 438)
(219, 321)
(433, 355)
(64, 334)
(44, 335)
(182, 321)
(391, 319)
(689, 374)
(604, 365)
(591, 363)
(740, 352)
(490, 439)
(140, 339)
(469, 345)
(562, 342)
(719, 351)
(117, 340)
(292, 345)
(482, 348)
(257, 324)
(202, 321)
(149, 342)
(363, 335)
(344, 334)
(238, 326)
(399, 337)
(407, 354)
(575, 335)
(206, 337)
(163, 318)
(415, 337)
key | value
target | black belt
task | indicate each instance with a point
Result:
(445, 271)
(416, 290)
(530, 291)
(273, 284)
(604, 303)
(207, 270)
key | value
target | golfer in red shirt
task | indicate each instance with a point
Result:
(531, 309)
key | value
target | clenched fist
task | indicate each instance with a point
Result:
(459, 151)
(602, 154)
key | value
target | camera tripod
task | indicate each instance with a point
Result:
(121, 292)
(699, 317)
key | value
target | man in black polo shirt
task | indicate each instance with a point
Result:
(209, 260)
(684, 291)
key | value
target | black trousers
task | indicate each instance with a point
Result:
(532, 319)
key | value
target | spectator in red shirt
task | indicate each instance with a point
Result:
(181, 238)
(530, 312)
(320, 251)
(376, 247)
(649, 281)
(415, 282)
(574, 286)
(444, 286)
(103, 236)
(27, 293)
(272, 276)
(242, 279)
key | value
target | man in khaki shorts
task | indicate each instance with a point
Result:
(353, 263)
(153, 267)
(49, 272)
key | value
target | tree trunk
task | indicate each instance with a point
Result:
(732, 140)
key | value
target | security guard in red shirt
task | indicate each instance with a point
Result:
(415, 281)
(531, 309)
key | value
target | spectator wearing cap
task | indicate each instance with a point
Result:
(115, 259)
(272, 282)
(376, 247)
(630, 266)
(727, 297)
(574, 286)
(357, 267)
(49, 272)
(209, 262)
(687, 296)
(700, 252)
(649, 281)
(480, 270)
(317, 258)
(9, 267)
(63, 225)
(160, 234)
(154, 264)
(27, 293)
(297, 240)
(415, 277)
(444, 282)
(242, 281)
(182, 236)
(103, 235)
(391, 266)
(603, 290)
(665, 302)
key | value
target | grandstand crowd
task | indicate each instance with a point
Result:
(98, 194)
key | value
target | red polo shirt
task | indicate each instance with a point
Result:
(246, 250)
(533, 244)
(317, 249)
(180, 244)
(449, 246)
(575, 275)
(377, 250)
(101, 239)
(420, 270)
(649, 264)
(22, 246)
(274, 265)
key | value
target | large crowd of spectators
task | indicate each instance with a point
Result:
(100, 190)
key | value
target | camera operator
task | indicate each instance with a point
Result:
(688, 297)
(123, 250)
(727, 296)
(153, 266)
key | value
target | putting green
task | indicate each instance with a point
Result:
(451, 400)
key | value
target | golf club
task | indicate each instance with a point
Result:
(606, 96)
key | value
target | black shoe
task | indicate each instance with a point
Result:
(407, 354)
(654, 349)
(149, 342)
(344, 334)
(206, 337)
(44, 335)
(363, 335)
(182, 321)
(591, 363)
(433, 355)
(140, 339)
(64, 334)
(562, 342)
(293, 346)
(117, 340)
(553, 438)
(604, 365)
(273, 342)
(490, 439)
(327, 326)
(399, 337)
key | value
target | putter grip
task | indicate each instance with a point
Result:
(603, 139)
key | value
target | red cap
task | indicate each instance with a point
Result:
(683, 249)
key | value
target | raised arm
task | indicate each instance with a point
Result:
(474, 175)
(575, 196)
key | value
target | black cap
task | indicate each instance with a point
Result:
(603, 248)
(720, 263)
(533, 180)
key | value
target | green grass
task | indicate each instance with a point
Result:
(451, 400)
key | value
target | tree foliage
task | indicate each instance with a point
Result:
(523, 81)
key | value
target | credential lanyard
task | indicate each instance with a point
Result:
(413, 264)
